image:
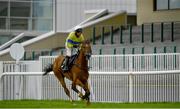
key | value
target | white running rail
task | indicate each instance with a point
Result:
(114, 78)
(128, 63)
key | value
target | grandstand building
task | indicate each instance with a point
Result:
(149, 11)
(124, 26)
(31, 17)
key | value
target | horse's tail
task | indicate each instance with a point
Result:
(47, 69)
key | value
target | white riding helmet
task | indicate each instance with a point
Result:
(78, 29)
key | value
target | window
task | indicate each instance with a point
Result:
(174, 4)
(42, 24)
(3, 8)
(42, 9)
(166, 4)
(20, 9)
(162, 4)
(2, 23)
(36, 15)
(19, 24)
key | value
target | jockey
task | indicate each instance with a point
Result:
(73, 40)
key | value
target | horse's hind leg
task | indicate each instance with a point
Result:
(66, 90)
(61, 79)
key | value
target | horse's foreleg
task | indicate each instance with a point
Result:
(85, 86)
(87, 93)
(61, 79)
(76, 90)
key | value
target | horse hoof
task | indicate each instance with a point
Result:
(88, 103)
(80, 95)
(83, 97)
(71, 101)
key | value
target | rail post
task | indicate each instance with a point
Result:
(25, 53)
(124, 51)
(112, 35)
(172, 31)
(133, 52)
(175, 57)
(130, 34)
(155, 51)
(130, 79)
(162, 32)
(94, 35)
(114, 59)
(142, 33)
(50, 53)
(142, 57)
(102, 36)
(1, 82)
(33, 55)
(165, 63)
(121, 35)
(100, 53)
(130, 87)
(62, 52)
(152, 32)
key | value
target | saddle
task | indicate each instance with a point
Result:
(71, 60)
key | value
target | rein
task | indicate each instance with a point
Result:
(78, 65)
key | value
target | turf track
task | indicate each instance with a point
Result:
(79, 104)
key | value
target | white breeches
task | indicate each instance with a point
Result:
(68, 51)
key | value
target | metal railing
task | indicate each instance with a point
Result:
(113, 78)
(129, 62)
(119, 34)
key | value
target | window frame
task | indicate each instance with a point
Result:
(155, 6)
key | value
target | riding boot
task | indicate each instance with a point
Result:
(65, 66)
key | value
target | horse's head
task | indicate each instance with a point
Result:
(86, 49)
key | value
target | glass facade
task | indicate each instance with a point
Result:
(20, 9)
(162, 4)
(3, 8)
(175, 4)
(2, 23)
(28, 15)
(166, 4)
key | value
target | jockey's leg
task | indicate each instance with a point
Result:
(66, 61)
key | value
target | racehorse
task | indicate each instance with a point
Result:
(78, 73)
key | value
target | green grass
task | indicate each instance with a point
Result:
(79, 104)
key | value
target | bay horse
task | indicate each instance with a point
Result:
(78, 73)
